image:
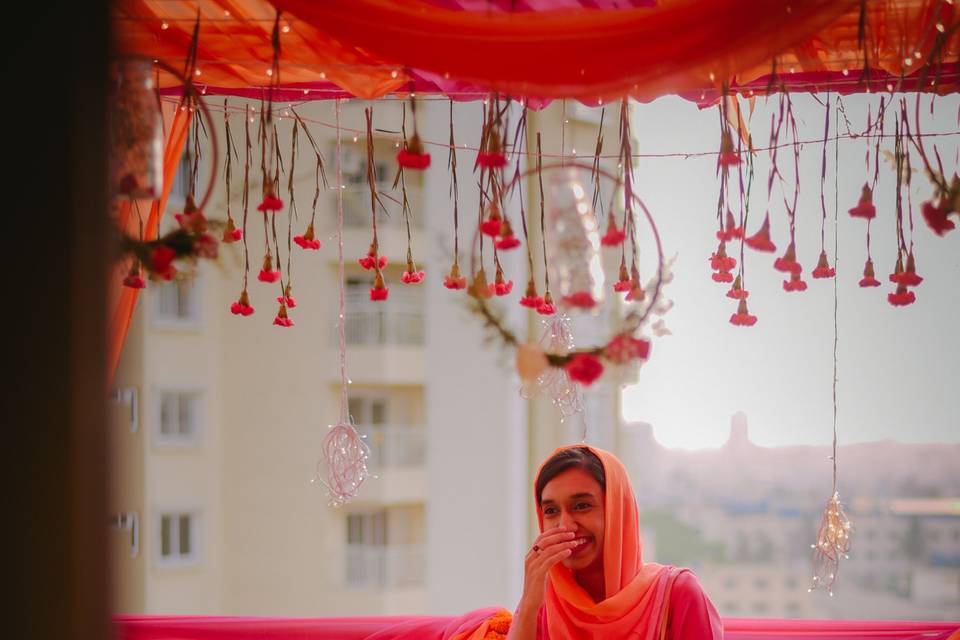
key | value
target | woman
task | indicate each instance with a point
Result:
(585, 575)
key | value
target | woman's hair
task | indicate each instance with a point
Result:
(573, 458)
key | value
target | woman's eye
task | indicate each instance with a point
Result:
(549, 511)
(583, 505)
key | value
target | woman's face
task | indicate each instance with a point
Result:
(574, 499)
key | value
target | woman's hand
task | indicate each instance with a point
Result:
(550, 547)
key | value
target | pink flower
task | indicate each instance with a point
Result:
(902, 297)
(720, 261)
(268, 276)
(737, 292)
(494, 222)
(368, 262)
(491, 159)
(308, 240)
(454, 280)
(270, 201)
(161, 262)
(379, 291)
(412, 277)
(742, 317)
(823, 268)
(412, 156)
(614, 235)
(231, 234)
(507, 240)
(547, 308)
(795, 283)
(936, 216)
(728, 157)
(531, 298)
(869, 278)
(907, 276)
(624, 348)
(584, 368)
(287, 298)
(580, 300)
(760, 241)
(864, 208)
(788, 262)
(731, 230)
(282, 320)
(134, 279)
(242, 306)
(621, 285)
(722, 276)
(501, 288)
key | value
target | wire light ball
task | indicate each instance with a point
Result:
(555, 382)
(345, 457)
(833, 544)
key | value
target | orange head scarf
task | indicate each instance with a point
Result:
(635, 590)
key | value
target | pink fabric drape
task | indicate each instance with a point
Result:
(444, 627)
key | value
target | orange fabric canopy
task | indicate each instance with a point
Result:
(370, 48)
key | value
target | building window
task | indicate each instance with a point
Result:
(179, 538)
(127, 396)
(180, 416)
(385, 548)
(177, 302)
(400, 323)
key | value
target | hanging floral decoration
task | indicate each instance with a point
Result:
(454, 279)
(903, 277)
(865, 208)
(546, 307)
(230, 234)
(308, 240)
(242, 306)
(373, 260)
(134, 278)
(734, 229)
(411, 275)
(411, 154)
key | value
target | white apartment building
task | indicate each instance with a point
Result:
(219, 419)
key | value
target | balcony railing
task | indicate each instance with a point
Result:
(385, 566)
(395, 446)
(399, 321)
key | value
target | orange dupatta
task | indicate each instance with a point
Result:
(636, 592)
(123, 300)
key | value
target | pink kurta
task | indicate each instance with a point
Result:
(691, 613)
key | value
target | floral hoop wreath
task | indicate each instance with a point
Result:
(622, 346)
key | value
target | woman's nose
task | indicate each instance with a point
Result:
(566, 519)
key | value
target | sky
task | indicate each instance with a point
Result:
(897, 368)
